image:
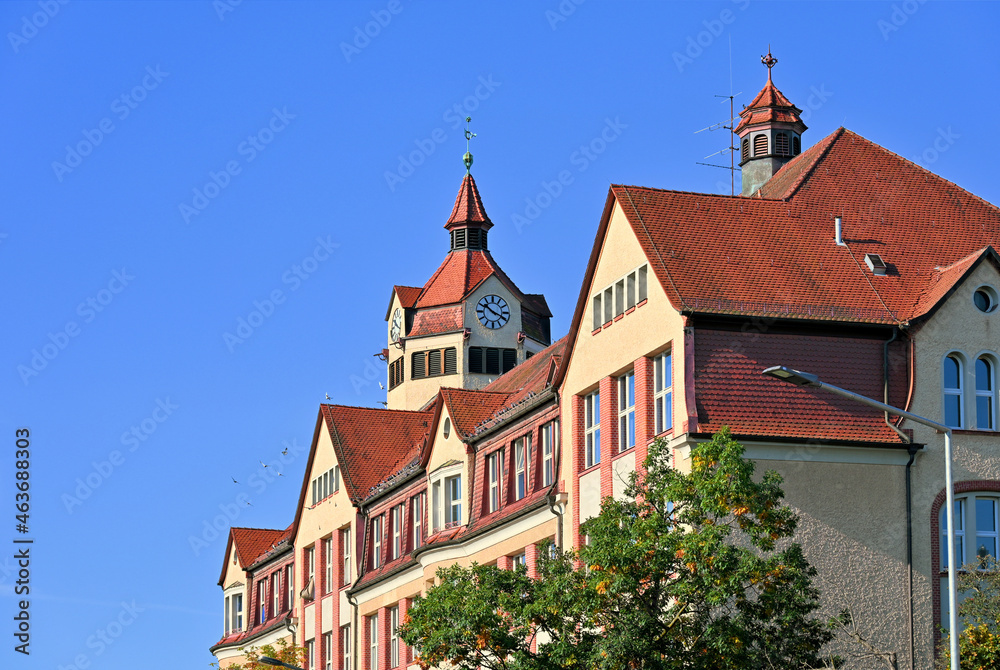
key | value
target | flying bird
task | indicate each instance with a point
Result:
(380, 386)
(234, 479)
(262, 463)
(327, 396)
(284, 451)
(280, 475)
(248, 502)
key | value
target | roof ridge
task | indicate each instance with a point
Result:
(821, 149)
(374, 409)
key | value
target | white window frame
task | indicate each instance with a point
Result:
(592, 429)
(967, 534)
(345, 555)
(988, 395)
(626, 411)
(519, 559)
(311, 565)
(328, 651)
(951, 391)
(336, 478)
(549, 436)
(276, 592)
(328, 563)
(311, 654)
(345, 645)
(417, 514)
(262, 601)
(290, 586)
(377, 542)
(373, 641)
(446, 509)
(394, 636)
(520, 467)
(493, 467)
(397, 531)
(663, 392)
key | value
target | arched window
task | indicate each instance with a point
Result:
(781, 144)
(985, 394)
(760, 145)
(954, 414)
(746, 148)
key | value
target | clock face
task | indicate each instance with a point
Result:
(397, 324)
(493, 311)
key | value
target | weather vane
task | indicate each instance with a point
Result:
(467, 158)
(769, 60)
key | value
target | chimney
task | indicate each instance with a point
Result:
(838, 227)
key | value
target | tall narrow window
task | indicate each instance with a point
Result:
(663, 392)
(548, 453)
(345, 646)
(373, 641)
(328, 564)
(796, 145)
(609, 305)
(620, 297)
(262, 601)
(641, 291)
(393, 636)
(745, 149)
(630, 291)
(345, 555)
(327, 651)
(953, 401)
(417, 512)
(592, 428)
(289, 587)
(985, 395)
(310, 564)
(436, 506)
(986, 528)
(492, 361)
(598, 316)
(781, 144)
(311, 654)
(520, 468)
(276, 593)
(626, 411)
(453, 507)
(397, 531)
(376, 542)
(236, 612)
(493, 477)
(336, 478)
(509, 359)
(959, 534)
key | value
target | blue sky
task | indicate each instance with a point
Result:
(205, 206)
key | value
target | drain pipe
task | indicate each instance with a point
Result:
(912, 450)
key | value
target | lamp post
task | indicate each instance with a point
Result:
(805, 379)
(273, 661)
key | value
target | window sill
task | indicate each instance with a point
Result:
(595, 332)
(630, 310)
(619, 317)
(595, 466)
(974, 431)
(643, 302)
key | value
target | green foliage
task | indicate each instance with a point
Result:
(685, 573)
(979, 643)
(283, 651)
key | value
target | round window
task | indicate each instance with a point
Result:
(985, 299)
(447, 427)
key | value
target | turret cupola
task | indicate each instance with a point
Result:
(770, 132)
(468, 222)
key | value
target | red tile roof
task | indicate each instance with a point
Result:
(777, 257)
(460, 273)
(253, 543)
(731, 391)
(469, 409)
(407, 295)
(533, 375)
(468, 207)
(435, 321)
(769, 105)
(374, 445)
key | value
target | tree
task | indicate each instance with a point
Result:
(283, 651)
(979, 642)
(689, 571)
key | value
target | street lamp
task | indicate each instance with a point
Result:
(273, 661)
(805, 379)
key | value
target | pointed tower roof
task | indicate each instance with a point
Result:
(770, 105)
(468, 207)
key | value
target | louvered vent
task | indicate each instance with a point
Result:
(433, 362)
(796, 145)
(745, 155)
(492, 361)
(474, 238)
(417, 366)
(475, 359)
(458, 239)
(781, 144)
(760, 145)
(450, 361)
(509, 359)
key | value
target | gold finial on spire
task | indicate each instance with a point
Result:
(769, 60)
(467, 158)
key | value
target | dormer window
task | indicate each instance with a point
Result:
(446, 497)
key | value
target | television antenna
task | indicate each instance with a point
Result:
(728, 124)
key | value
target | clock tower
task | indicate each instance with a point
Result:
(469, 323)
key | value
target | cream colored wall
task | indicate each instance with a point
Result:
(957, 326)
(234, 571)
(444, 450)
(413, 394)
(645, 331)
(396, 397)
(321, 521)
